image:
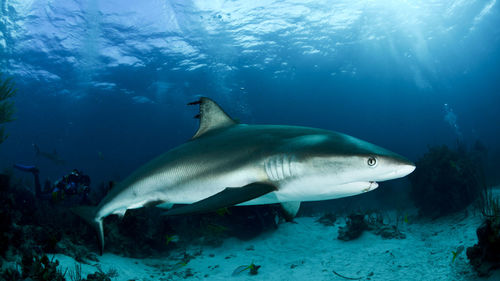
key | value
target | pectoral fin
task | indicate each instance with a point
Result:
(226, 198)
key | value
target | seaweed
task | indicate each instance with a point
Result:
(75, 274)
(446, 180)
(456, 253)
(171, 239)
(489, 204)
(7, 91)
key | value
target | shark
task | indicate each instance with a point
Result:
(52, 156)
(227, 163)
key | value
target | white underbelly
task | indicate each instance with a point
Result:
(305, 193)
(311, 189)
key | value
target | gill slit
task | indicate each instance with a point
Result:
(279, 167)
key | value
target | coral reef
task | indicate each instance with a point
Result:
(445, 180)
(7, 91)
(39, 226)
(485, 255)
(242, 222)
(140, 233)
(327, 219)
(76, 274)
(41, 268)
(357, 223)
(36, 227)
(386, 231)
(5, 214)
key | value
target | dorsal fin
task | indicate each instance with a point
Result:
(211, 116)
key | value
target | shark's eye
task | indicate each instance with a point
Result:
(372, 161)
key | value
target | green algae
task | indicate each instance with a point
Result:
(7, 91)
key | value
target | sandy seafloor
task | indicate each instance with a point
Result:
(308, 250)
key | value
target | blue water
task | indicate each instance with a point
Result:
(105, 83)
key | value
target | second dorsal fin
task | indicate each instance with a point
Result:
(211, 116)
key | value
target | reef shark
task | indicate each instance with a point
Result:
(227, 163)
(54, 157)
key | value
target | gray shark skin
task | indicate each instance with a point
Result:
(227, 164)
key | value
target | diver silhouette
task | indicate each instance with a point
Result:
(74, 184)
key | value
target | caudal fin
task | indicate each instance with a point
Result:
(88, 213)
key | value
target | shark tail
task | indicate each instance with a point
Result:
(88, 213)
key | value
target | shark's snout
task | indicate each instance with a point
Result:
(403, 170)
(396, 168)
(406, 169)
(403, 167)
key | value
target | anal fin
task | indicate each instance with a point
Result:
(120, 213)
(290, 209)
(228, 197)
